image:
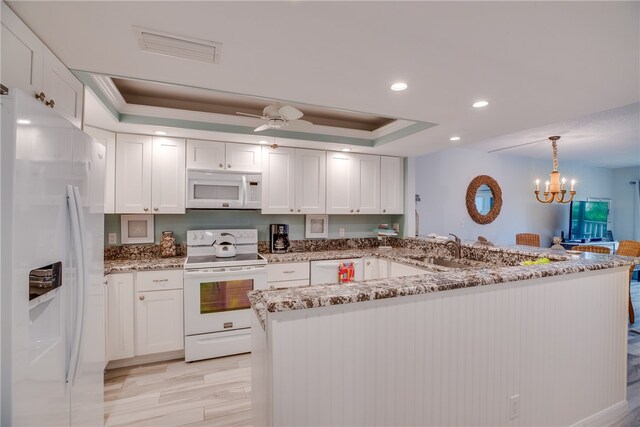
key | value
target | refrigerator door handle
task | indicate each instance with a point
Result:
(77, 229)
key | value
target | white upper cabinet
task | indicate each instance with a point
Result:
(150, 174)
(353, 183)
(340, 170)
(30, 66)
(243, 157)
(133, 173)
(63, 90)
(108, 139)
(293, 181)
(392, 185)
(310, 181)
(22, 54)
(205, 155)
(278, 186)
(366, 187)
(168, 175)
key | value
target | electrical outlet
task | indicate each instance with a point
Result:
(113, 238)
(342, 232)
(514, 406)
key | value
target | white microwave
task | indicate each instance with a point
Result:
(215, 190)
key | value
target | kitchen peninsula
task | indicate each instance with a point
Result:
(494, 343)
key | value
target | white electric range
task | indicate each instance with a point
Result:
(217, 312)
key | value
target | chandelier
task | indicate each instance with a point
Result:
(556, 189)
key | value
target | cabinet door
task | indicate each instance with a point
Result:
(383, 268)
(243, 157)
(392, 185)
(366, 186)
(62, 88)
(108, 139)
(22, 54)
(371, 268)
(159, 324)
(401, 270)
(278, 181)
(310, 181)
(205, 155)
(133, 173)
(340, 191)
(168, 183)
(120, 343)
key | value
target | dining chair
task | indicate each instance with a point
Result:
(592, 248)
(629, 248)
(528, 239)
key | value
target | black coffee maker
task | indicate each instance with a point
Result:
(278, 238)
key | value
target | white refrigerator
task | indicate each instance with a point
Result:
(51, 270)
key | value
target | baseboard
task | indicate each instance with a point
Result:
(607, 416)
(148, 358)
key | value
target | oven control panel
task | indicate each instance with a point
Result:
(208, 237)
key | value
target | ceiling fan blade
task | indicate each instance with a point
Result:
(261, 128)
(270, 110)
(299, 124)
(250, 115)
(290, 113)
(518, 145)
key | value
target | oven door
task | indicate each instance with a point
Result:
(215, 190)
(215, 299)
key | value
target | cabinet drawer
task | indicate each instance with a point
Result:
(289, 284)
(159, 280)
(288, 271)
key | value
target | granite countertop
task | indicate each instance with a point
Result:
(496, 264)
(125, 265)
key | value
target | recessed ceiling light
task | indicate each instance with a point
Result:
(346, 149)
(454, 138)
(160, 132)
(263, 142)
(480, 104)
(399, 86)
(24, 122)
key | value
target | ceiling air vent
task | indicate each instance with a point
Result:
(178, 46)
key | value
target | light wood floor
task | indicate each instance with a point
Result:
(217, 392)
(214, 392)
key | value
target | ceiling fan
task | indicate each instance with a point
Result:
(280, 116)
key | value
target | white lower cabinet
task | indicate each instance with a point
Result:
(288, 275)
(159, 308)
(159, 324)
(376, 268)
(144, 313)
(400, 270)
(120, 319)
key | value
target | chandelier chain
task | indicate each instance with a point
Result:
(555, 156)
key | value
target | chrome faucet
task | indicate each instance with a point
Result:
(457, 246)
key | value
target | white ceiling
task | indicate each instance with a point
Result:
(536, 62)
(609, 138)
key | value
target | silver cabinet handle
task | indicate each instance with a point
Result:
(289, 271)
(50, 103)
(290, 210)
(155, 209)
(146, 209)
(384, 210)
(229, 165)
(351, 210)
(368, 262)
(160, 280)
(141, 297)
(221, 165)
(299, 210)
(357, 210)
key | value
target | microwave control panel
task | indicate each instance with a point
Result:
(253, 191)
